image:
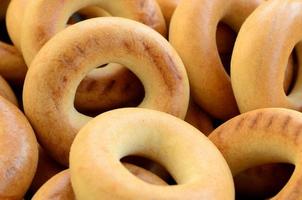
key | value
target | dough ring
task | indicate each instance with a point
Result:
(19, 152)
(260, 57)
(60, 185)
(209, 82)
(193, 161)
(49, 91)
(271, 135)
(39, 26)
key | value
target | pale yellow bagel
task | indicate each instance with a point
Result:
(192, 33)
(261, 53)
(59, 186)
(19, 152)
(7, 92)
(193, 161)
(51, 82)
(270, 135)
(43, 19)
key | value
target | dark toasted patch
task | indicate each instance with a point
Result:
(255, 120)
(286, 122)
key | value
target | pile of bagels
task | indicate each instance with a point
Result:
(150, 99)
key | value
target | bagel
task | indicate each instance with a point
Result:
(60, 187)
(210, 84)
(261, 57)
(12, 66)
(270, 135)
(19, 152)
(51, 82)
(194, 162)
(7, 92)
(38, 25)
(14, 19)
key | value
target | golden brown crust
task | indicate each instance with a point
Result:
(201, 172)
(270, 135)
(14, 17)
(39, 25)
(59, 186)
(262, 57)
(19, 152)
(49, 90)
(210, 84)
(12, 66)
(7, 92)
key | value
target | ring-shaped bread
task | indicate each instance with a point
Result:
(270, 135)
(194, 162)
(51, 82)
(196, 44)
(261, 53)
(19, 152)
(59, 186)
(44, 19)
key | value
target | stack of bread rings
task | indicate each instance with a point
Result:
(150, 99)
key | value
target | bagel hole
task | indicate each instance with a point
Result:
(87, 13)
(106, 88)
(262, 182)
(225, 40)
(3, 33)
(151, 166)
(290, 76)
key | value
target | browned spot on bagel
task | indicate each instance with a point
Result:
(169, 78)
(126, 45)
(286, 122)
(270, 121)
(240, 123)
(65, 79)
(10, 172)
(80, 50)
(41, 35)
(255, 120)
(296, 134)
